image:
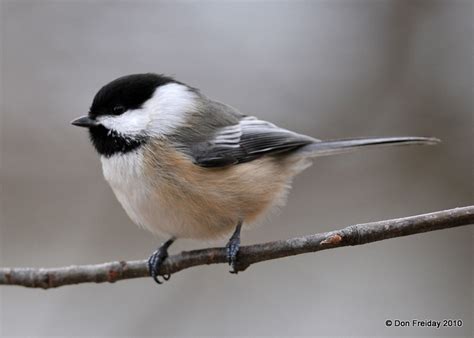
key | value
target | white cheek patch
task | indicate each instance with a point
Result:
(165, 111)
(131, 123)
(169, 107)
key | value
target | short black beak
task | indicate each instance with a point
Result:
(84, 121)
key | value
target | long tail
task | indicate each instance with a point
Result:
(332, 147)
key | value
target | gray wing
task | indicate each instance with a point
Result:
(244, 141)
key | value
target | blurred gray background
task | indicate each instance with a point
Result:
(329, 69)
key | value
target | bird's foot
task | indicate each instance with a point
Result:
(232, 250)
(233, 247)
(156, 261)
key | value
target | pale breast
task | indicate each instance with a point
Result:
(164, 192)
(124, 173)
(158, 203)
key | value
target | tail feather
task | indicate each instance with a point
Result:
(333, 147)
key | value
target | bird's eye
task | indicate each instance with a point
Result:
(119, 110)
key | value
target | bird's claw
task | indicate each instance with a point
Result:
(154, 264)
(232, 250)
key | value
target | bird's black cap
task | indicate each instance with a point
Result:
(127, 92)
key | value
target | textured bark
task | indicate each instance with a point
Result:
(352, 235)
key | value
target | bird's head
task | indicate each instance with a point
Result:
(132, 108)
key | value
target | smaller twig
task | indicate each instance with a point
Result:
(352, 235)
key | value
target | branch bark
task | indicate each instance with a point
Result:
(351, 235)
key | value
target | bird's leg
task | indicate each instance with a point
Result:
(233, 246)
(157, 258)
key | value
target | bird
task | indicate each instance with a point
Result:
(183, 165)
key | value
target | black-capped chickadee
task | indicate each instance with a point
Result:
(187, 166)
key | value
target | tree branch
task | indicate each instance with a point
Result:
(351, 235)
